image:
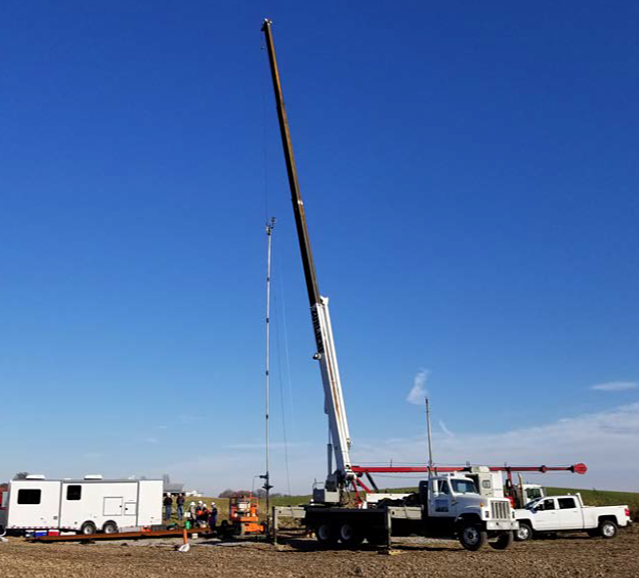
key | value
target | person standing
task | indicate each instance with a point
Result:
(179, 502)
(213, 517)
(168, 507)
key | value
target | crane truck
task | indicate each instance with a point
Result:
(447, 505)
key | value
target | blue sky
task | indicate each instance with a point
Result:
(470, 177)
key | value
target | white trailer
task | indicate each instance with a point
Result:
(87, 506)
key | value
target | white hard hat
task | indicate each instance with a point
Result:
(192, 503)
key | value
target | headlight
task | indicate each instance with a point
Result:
(487, 513)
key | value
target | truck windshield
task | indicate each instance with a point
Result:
(463, 486)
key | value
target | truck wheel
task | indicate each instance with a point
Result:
(377, 537)
(87, 529)
(110, 528)
(607, 529)
(350, 536)
(472, 536)
(503, 541)
(326, 534)
(524, 533)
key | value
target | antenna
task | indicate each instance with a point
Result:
(430, 444)
(270, 224)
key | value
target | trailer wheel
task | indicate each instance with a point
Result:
(326, 534)
(524, 533)
(88, 528)
(110, 528)
(607, 529)
(472, 536)
(503, 541)
(350, 536)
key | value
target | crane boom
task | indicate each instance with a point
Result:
(326, 354)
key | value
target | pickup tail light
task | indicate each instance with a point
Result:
(627, 512)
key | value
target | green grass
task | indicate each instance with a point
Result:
(603, 498)
(590, 498)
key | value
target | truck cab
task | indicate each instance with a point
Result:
(456, 496)
(453, 505)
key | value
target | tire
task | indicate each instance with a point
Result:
(110, 528)
(377, 538)
(503, 541)
(524, 533)
(88, 529)
(472, 536)
(607, 529)
(226, 530)
(350, 535)
(326, 534)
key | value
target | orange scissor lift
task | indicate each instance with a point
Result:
(243, 517)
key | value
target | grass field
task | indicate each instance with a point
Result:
(603, 498)
(590, 498)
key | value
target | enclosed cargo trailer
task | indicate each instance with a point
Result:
(88, 505)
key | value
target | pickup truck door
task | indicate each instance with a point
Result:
(570, 514)
(546, 515)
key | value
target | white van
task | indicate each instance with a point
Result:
(89, 505)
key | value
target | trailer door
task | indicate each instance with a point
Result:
(34, 504)
(112, 507)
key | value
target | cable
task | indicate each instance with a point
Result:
(286, 350)
(282, 404)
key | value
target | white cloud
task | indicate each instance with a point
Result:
(615, 386)
(605, 441)
(443, 427)
(418, 392)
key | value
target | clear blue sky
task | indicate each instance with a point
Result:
(470, 173)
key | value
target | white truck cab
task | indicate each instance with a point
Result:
(456, 496)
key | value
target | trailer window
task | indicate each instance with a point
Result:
(74, 493)
(566, 503)
(29, 497)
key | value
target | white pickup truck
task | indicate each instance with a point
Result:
(568, 514)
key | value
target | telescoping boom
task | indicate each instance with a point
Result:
(345, 472)
(326, 356)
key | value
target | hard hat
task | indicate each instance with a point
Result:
(192, 504)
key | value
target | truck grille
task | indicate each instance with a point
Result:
(500, 510)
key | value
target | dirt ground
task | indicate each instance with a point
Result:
(575, 556)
